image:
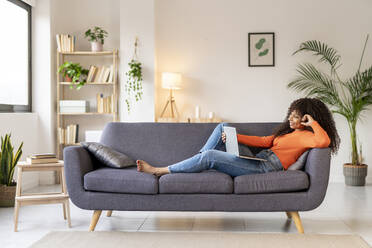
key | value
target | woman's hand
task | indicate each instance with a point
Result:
(223, 137)
(307, 120)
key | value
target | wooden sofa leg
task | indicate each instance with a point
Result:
(297, 221)
(289, 216)
(95, 218)
(109, 213)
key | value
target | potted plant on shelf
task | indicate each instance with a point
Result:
(8, 162)
(96, 36)
(74, 73)
(349, 98)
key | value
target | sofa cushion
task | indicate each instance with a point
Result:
(272, 182)
(127, 180)
(108, 156)
(300, 163)
(205, 182)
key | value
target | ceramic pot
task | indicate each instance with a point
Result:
(355, 175)
(96, 46)
(68, 79)
(7, 195)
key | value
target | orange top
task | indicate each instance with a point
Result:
(290, 146)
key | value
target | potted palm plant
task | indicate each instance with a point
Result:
(346, 97)
(8, 162)
(74, 73)
(96, 36)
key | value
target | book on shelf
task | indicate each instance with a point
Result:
(68, 135)
(65, 42)
(100, 74)
(105, 104)
(111, 77)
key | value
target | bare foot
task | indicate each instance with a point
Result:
(143, 166)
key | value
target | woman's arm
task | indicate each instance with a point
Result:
(257, 141)
(320, 138)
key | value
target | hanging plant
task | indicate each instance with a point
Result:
(133, 85)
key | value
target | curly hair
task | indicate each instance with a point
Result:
(320, 112)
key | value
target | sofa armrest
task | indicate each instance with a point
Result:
(77, 163)
(317, 167)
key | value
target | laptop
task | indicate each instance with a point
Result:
(232, 145)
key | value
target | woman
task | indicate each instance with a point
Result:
(309, 124)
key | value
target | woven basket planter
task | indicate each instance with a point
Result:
(7, 195)
(355, 175)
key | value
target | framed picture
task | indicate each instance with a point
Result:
(261, 49)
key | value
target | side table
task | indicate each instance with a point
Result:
(23, 199)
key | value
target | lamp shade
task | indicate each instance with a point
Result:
(171, 80)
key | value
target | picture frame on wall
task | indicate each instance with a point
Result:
(261, 49)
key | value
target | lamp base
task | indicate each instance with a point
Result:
(173, 107)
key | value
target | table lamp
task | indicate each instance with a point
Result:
(171, 81)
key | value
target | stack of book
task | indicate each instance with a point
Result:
(65, 42)
(101, 74)
(69, 135)
(105, 104)
(42, 158)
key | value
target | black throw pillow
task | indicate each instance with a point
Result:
(108, 156)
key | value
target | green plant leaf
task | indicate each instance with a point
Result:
(264, 52)
(326, 53)
(260, 43)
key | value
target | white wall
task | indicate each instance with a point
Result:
(137, 20)
(23, 127)
(207, 42)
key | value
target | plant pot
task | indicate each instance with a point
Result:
(68, 79)
(355, 175)
(7, 195)
(96, 46)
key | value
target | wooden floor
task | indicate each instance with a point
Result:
(346, 210)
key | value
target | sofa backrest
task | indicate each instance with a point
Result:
(163, 144)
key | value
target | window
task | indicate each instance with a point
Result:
(15, 56)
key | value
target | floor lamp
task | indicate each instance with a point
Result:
(171, 81)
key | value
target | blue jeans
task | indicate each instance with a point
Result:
(213, 156)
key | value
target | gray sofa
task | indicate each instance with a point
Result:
(93, 186)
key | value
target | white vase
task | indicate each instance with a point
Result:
(96, 46)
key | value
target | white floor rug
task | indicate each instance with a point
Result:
(80, 239)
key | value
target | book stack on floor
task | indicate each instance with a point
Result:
(42, 158)
(65, 42)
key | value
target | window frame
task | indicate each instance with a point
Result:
(13, 108)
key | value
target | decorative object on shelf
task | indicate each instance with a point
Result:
(349, 98)
(96, 36)
(8, 162)
(74, 72)
(261, 49)
(171, 81)
(197, 112)
(133, 84)
(73, 106)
